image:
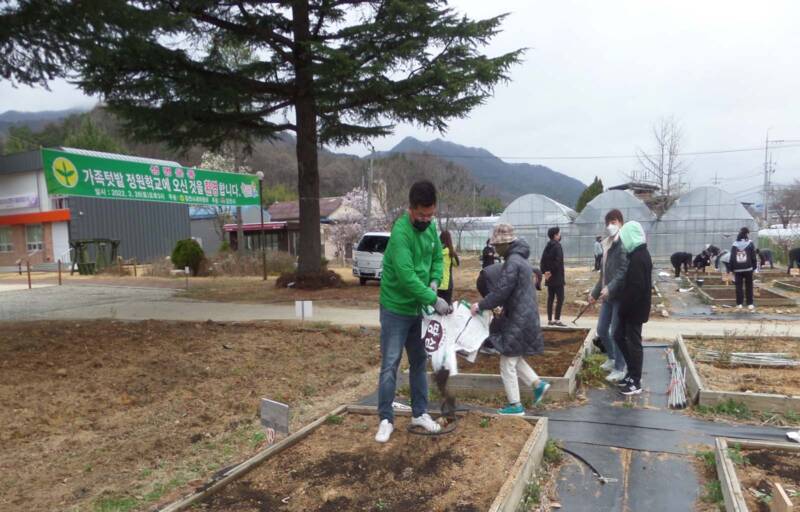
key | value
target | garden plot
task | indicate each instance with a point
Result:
(726, 296)
(111, 416)
(758, 475)
(758, 385)
(791, 285)
(565, 349)
(335, 464)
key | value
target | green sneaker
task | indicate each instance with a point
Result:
(540, 390)
(512, 410)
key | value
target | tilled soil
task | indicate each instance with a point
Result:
(341, 467)
(765, 466)
(102, 413)
(729, 292)
(560, 349)
(763, 379)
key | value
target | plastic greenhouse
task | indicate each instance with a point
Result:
(533, 214)
(706, 215)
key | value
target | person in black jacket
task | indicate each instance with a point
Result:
(742, 264)
(701, 261)
(488, 256)
(764, 257)
(679, 259)
(794, 259)
(552, 265)
(634, 308)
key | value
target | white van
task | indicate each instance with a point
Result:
(368, 256)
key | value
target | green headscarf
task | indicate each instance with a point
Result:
(632, 235)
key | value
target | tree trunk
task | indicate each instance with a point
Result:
(310, 254)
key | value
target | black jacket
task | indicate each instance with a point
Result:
(510, 284)
(743, 256)
(488, 257)
(681, 258)
(553, 261)
(635, 298)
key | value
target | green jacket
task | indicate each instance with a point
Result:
(411, 261)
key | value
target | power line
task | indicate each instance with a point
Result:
(591, 157)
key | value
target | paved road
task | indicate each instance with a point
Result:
(139, 303)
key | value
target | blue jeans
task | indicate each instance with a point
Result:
(398, 331)
(606, 325)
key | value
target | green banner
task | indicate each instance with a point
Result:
(73, 174)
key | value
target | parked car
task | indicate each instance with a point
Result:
(368, 256)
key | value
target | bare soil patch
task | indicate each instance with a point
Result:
(341, 467)
(109, 415)
(764, 466)
(757, 379)
(560, 348)
(729, 292)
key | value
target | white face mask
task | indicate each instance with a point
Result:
(612, 229)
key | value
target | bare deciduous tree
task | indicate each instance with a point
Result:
(663, 166)
(786, 203)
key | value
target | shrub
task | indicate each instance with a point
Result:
(188, 253)
(313, 281)
(225, 246)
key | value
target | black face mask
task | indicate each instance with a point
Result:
(421, 225)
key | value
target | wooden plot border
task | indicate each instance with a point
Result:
(782, 300)
(479, 384)
(698, 392)
(732, 490)
(787, 285)
(507, 500)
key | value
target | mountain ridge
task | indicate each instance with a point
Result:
(508, 180)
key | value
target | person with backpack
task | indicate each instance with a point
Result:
(516, 332)
(635, 302)
(552, 264)
(742, 264)
(449, 260)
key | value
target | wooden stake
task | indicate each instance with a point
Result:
(28, 266)
(59, 272)
(780, 500)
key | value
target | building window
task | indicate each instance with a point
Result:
(34, 237)
(5, 240)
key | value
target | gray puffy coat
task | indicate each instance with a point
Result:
(612, 274)
(517, 331)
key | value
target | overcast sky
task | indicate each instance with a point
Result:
(599, 74)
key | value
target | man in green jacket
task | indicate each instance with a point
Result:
(412, 271)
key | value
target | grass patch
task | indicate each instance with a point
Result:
(484, 422)
(735, 454)
(731, 408)
(257, 438)
(334, 419)
(712, 490)
(531, 497)
(552, 452)
(591, 375)
(115, 504)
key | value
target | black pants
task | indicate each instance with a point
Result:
(678, 269)
(628, 336)
(598, 260)
(744, 287)
(555, 292)
(446, 294)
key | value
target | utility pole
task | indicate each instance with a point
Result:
(715, 181)
(766, 180)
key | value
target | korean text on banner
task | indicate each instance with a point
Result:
(72, 174)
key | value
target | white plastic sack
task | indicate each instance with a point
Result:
(446, 335)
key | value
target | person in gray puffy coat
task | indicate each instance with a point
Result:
(516, 332)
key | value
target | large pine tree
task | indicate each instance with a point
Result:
(330, 71)
(589, 193)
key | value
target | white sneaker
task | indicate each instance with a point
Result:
(425, 421)
(608, 365)
(751, 307)
(739, 306)
(385, 430)
(794, 436)
(615, 376)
